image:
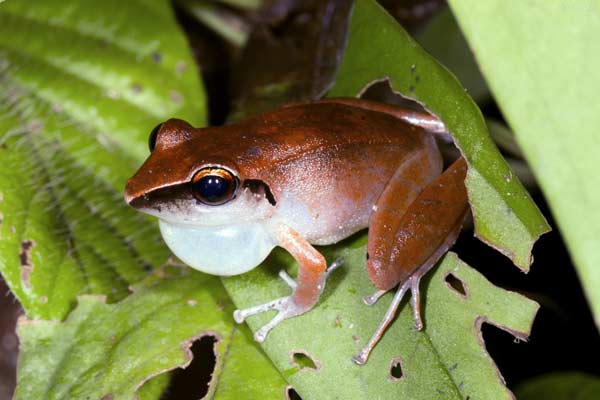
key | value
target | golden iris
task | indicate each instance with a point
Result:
(214, 185)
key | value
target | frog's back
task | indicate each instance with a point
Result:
(327, 163)
(280, 136)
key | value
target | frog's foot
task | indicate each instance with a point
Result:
(285, 306)
(413, 284)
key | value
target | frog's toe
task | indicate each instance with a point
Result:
(411, 284)
(262, 333)
(292, 283)
(372, 299)
(338, 262)
(287, 279)
(286, 309)
(240, 315)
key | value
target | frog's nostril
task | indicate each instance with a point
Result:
(137, 201)
(135, 197)
(128, 197)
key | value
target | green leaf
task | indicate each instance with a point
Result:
(443, 39)
(547, 85)
(445, 360)
(246, 371)
(154, 388)
(109, 350)
(223, 22)
(560, 386)
(79, 92)
(505, 216)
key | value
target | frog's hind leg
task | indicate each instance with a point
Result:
(411, 284)
(428, 228)
(363, 355)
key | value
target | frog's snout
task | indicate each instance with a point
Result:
(135, 196)
(129, 194)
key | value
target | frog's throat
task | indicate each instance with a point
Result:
(219, 250)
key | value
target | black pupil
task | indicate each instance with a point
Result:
(213, 188)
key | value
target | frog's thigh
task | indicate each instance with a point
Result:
(409, 179)
(399, 247)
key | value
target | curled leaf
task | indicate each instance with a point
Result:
(505, 215)
(547, 86)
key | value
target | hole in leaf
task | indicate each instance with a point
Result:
(192, 382)
(456, 284)
(302, 360)
(26, 263)
(380, 90)
(291, 394)
(396, 373)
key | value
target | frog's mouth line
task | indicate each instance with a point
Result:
(158, 198)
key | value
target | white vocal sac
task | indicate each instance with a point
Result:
(218, 250)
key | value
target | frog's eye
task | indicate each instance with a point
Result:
(214, 185)
(152, 137)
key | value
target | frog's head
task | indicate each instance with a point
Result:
(211, 217)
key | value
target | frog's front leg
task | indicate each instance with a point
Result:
(312, 274)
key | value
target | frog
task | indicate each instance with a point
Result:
(303, 175)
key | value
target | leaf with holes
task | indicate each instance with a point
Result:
(79, 92)
(504, 214)
(109, 351)
(547, 87)
(445, 360)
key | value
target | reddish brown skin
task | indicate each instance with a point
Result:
(268, 145)
(398, 247)
(352, 154)
(313, 268)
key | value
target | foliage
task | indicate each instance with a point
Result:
(79, 91)
(110, 350)
(446, 358)
(76, 110)
(375, 35)
(560, 386)
(546, 87)
(505, 216)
